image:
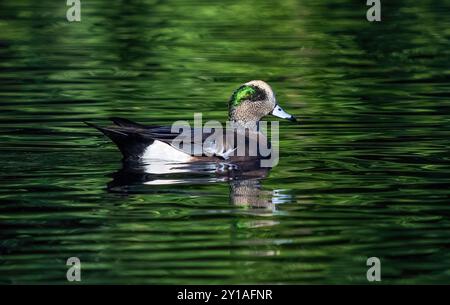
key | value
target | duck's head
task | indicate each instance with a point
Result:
(252, 101)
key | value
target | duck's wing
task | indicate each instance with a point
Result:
(133, 139)
(212, 142)
(195, 141)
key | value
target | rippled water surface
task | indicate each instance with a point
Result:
(366, 173)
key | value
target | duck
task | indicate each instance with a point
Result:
(247, 106)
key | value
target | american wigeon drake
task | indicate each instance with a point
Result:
(247, 106)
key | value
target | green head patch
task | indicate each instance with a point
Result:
(241, 94)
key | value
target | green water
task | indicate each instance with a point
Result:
(366, 173)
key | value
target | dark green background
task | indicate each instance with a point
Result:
(366, 173)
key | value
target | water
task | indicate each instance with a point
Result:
(365, 174)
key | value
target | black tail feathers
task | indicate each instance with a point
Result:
(126, 136)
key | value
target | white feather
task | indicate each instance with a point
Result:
(214, 149)
(161, 151)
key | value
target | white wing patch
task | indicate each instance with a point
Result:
(161, 151)
(226, 154)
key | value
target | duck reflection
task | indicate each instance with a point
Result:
(244, 179)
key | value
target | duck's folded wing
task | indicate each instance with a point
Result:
(133, 138)
(221, 143)
(193, 141)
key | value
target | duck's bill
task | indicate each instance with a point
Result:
(280, 113)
